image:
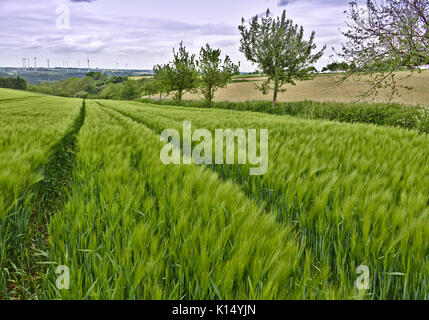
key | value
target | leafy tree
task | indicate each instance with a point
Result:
(312, 69)
(386, 36)
(87, 84)
(94, 75)
(130, 90)
(161, 78)
(182, 73)
(335, 66)
(116, 79)
(17, 83)
(20, 84)
(111, 91)
(150, 87)
(81, 94)
(278, 47)
(215, 72)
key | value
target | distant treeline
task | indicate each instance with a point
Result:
(17, 83)
(93, 85)
(44, 76)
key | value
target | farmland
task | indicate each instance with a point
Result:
(336, 196)
(32, 128)
(325, 88)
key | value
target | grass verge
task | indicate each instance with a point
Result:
(394, 114)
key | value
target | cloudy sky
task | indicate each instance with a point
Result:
(142, 33)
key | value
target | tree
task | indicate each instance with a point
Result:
(161, 82)
(215, 72)
(116, 79)
(20, 84)
(87, 84)
(150, 87)
(94, 75)
(384, 38)
(278, 47)
(111, 91)
(130, 90)
(17, 83)
(182, 73)
(335, 66)
(81, 94)
(312, 69)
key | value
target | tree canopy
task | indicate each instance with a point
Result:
(215, 73)
(278, 47)
(17, 83)
(180, 75)
(385, 37)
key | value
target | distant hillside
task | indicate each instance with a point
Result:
(58, 74)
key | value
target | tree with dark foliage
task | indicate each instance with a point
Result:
(17, 83)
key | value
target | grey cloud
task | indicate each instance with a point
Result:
(77, 48)
(226, 43)
(136, 31)
(283, 3)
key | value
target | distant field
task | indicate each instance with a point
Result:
(323, 88)
(141, 77)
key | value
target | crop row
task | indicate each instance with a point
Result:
(357, 194)
(28, 133)
(134, 228)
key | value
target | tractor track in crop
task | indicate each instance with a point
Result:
(49, 195)
(261, 198)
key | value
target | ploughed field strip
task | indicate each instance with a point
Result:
(28, 132)
(356, 194)
(134, 228)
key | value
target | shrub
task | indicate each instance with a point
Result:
(81, 94)
(393, 114)
(17, 83)
(423, 124)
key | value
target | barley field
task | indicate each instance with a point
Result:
(324, 88)
(335, 196)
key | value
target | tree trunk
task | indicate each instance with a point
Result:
(276, 89)
(274, 98)
(207, 95)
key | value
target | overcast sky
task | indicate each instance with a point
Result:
(142, 33)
